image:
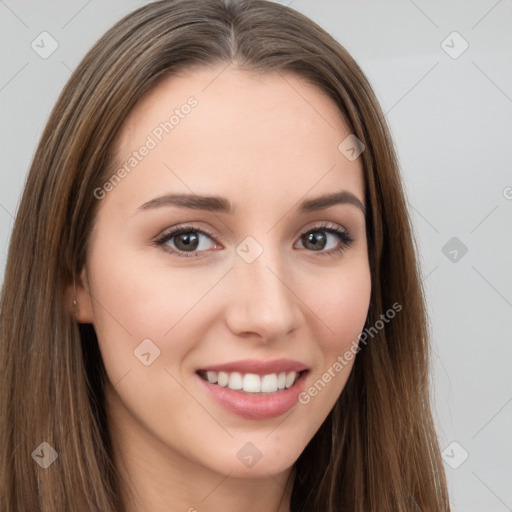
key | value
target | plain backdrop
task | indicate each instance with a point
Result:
(442, 72)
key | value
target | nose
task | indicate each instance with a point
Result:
(262, 302)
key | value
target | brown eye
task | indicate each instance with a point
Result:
(317, 239)
(185, 240)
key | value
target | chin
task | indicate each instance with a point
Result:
(255, 459)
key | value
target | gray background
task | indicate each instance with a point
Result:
(452, 125)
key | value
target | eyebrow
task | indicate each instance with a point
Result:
(222, 205)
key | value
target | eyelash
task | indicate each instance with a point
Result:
(344, 237)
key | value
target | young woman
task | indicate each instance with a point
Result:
(212, 300)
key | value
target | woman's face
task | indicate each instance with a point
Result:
(258, 284)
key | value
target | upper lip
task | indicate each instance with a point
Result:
(258, 366)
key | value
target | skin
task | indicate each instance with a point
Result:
(265, 142)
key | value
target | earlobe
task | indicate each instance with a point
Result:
(79, 299)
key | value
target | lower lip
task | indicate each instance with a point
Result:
(257, 407)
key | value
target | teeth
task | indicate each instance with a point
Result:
(290, 379)
(235, 381)
(223, 379)
(281, 380)
(269, 383)
(251, 382)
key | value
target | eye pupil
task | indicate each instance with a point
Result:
(312, 240)
(187, 241)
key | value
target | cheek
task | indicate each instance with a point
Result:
(339, 309)
(340, 304)
(144, 318)
(135, 302)
(140, 299)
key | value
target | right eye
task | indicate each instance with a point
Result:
(187, 240)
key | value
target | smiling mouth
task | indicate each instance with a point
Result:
(252, 383)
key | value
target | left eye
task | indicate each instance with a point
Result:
(317, 239)
(188, 240)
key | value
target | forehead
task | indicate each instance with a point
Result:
(246, 133)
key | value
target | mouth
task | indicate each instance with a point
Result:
(253, 383)
(254, 388)
(254, 396)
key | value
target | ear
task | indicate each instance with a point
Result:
(82, 310)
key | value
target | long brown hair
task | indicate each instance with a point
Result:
(377, 450)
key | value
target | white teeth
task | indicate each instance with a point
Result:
(235, 381)
(269, 383)
(251, 382)
(223, 379)
(290, 379)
